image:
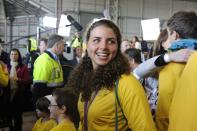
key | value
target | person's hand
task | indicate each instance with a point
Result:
(13, 78)
(180, 55)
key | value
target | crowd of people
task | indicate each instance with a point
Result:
(113, 84)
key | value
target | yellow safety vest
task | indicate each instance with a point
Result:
(47, 70)
(78, 42)
(33, 46)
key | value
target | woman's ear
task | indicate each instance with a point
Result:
(133, 61)
(63, 108)
(175, 35)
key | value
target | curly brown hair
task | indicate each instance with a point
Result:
(84, 79)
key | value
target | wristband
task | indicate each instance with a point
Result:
(160, 61)
(167, 58)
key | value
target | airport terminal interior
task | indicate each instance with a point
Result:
(45, 44)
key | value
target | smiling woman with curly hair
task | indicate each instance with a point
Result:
(110, 98)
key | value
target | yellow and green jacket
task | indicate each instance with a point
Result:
(44, 126)
(102, 111)
(66, 126)
(168, 83)
(168, 78)
(183, 111)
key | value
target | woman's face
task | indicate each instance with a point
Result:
(102, 46)
(171, 38)
(125, 45)
(40, 113)
(14, 56)
(59, 47)
(78, 52)
(42, 47)
(133, 39)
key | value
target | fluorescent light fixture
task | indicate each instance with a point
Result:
(49, 22)
(64, 26)
(150, 29)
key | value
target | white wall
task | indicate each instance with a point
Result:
(131, 12)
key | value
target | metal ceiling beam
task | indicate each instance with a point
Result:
(22, 7)
(40, 6)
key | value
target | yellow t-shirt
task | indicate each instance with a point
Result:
(3, 76)
(168, 78)
(66, 126)
(44, 126)
(102, 113)
(183, 111)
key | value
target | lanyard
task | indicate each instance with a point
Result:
(86, 107)
(117, 103)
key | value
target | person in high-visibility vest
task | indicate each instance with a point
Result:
(32, 45)
(47, 73)
(77, 41)
(32, 55)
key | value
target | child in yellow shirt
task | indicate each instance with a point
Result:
(44, 123)
(64, 109)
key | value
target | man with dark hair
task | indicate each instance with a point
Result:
(31, 56)
(182, 33)
(134, 56)
(76, 56)
(149, 82)
(125, 44)
(47, 74)
(183, 113)
(43, 43)
(145, 49)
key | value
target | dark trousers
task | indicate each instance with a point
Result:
(17, 110)
(18, 121)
